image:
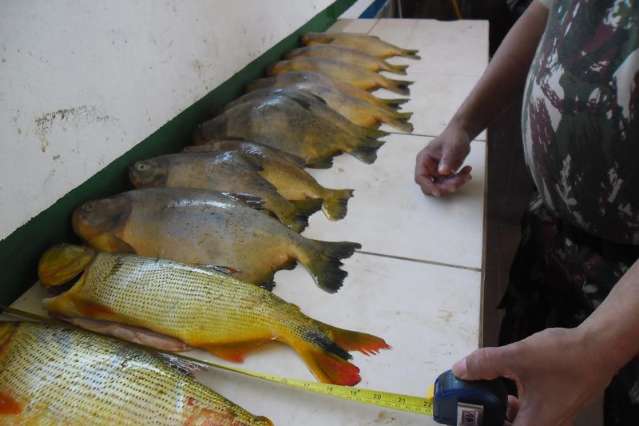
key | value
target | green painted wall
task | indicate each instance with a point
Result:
(19, 252)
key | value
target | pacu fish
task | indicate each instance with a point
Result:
(52, 374)
(200, 307)
(316, 104)
(369, 44)
(291, 180)
(222, 171)
(348, 56)
(354, 75)
(207, 228)
(295, 77)
(286, 120)
(357, 110)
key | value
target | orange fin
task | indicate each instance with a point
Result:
(8, 405)
(329, 368)
(235, 352)
(356, 341)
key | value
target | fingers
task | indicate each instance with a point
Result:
(513, 408)
(432, 183)
(484, 364)
(453, 156)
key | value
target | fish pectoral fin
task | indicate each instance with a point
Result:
(250, 200)
(226, 270)
(235, 352)
(110, 243)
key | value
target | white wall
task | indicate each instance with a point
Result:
(81, 82)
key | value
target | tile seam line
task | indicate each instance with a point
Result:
(427, 136)
(410, 259)
(373, 27)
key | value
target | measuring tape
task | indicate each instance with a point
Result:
(449, 401)
(395, 401)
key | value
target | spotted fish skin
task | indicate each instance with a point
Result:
(208, 310)
(54, 375)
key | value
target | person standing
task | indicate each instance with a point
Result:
(571, 327)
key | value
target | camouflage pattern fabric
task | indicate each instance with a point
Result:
(580, 119)
(559, 276)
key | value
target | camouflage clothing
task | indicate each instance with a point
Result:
(580, 128)
(580, 119)
(558, 277)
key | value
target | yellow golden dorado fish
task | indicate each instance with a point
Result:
(291, 180)
(350, 74)
(357, 110)
(297, 123)
(371, 45)
(348, 56)
(50, 374)
(207, 228)
(224, 172)
(294, 77)
(203, 308)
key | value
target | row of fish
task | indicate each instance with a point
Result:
(186, 260)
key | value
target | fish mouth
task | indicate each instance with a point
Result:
(63, 263)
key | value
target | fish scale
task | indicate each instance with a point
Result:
(59, 375)
(200, 308)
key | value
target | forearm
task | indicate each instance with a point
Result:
(611, 333)
(506, 73)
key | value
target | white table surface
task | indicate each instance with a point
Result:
(418, 284)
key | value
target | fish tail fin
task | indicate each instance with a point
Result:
(307, 206)
(375, 133)
(399, 120)
(327, 361)
(295, 220)
(410, 53)
(335, 204)
(323, 261)
(366, 150)
(394, 103)
(356, 341)
(395, 68)
(397, 86)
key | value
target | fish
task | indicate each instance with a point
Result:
(224, 172)
(297, 123)
(348, 56)
(290, 179)
(351, 74)
(360, 112)
(317, 106)
(204, 227)
(369, 44)
(55, 374)
(294, 77)
(203, 308)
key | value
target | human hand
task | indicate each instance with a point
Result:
(437, 164)
(557, 372)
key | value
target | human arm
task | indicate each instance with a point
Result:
(558, 371)
(437, 164)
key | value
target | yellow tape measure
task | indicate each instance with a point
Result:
(395, 401)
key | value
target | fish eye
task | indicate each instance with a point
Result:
(141, 167)
(88, 207)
